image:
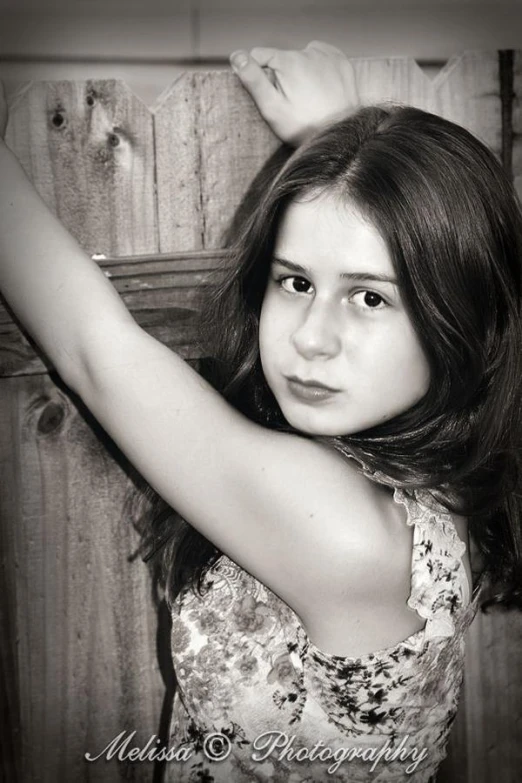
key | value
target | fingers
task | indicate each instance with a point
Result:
(326, 48)
(266, 56)
(270, 56)
(255, 78)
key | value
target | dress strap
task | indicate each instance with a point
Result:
(439, 582)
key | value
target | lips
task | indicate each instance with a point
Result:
(310, 390)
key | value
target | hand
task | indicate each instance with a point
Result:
(298, 92)
(3, 111)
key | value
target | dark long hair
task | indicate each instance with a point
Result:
(453, 227)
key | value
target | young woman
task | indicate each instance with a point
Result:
(365, 408)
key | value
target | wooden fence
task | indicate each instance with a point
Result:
(154, 191)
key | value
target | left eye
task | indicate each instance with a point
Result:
(368, 299)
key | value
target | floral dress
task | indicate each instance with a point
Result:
(257, 701)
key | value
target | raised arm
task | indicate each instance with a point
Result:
(58, 293)
(258, 495)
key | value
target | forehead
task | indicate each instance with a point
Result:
(325, 232)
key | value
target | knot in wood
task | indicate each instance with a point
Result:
(58, 119)
(113, 139)
(50, 418)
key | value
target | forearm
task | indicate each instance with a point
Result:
(58, 293)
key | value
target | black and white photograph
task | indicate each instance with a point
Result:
(261, 391)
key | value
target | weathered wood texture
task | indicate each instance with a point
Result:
(155, 192)
(210, 143)
(82, 620)
(164, 293)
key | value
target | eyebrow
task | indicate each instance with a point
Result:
(344, 275)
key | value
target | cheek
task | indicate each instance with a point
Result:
(265, 336)
(270, 332)
(401, 372)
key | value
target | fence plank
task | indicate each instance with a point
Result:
(163, 292)
(493, 691)
(465, 91)
(84, 617)
(210, 144)
(88, 148)
(10, 725)
(85, 623)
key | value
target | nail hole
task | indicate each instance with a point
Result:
(91, 98)
(58, 119)
(114, 139)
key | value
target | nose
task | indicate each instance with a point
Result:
(317, 334)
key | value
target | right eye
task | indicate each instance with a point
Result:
(293, 284)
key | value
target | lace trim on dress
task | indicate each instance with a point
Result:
(439, 582)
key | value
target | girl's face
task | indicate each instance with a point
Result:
(337, 347)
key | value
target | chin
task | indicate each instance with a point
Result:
(313, 425)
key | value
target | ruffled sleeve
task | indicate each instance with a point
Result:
(439, 582)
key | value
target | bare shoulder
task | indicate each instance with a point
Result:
(349, 539)
(354, 598)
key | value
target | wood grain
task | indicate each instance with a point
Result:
(85, 622)
(164, 293)
(465, 91)
(493, 690)
(210, 145)
(10, 724)
(88, 148)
